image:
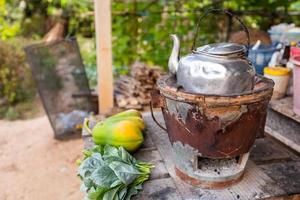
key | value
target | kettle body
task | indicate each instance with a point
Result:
(216, 69)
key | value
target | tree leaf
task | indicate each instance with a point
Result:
(126, 173)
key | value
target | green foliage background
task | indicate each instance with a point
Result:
(141, 29)
(16, 83)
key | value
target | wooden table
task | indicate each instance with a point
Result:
(273, 171)
(283, 124)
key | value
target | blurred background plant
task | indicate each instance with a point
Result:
(16, 85)
(141, 32)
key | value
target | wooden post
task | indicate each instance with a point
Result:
(104, 54)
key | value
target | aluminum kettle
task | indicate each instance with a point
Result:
(220, 68)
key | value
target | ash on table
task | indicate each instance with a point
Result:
(133, 90)
(217, 166)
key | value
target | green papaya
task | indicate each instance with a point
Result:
(124, 133)
(123, 129)
(139, 121)
(127, 113)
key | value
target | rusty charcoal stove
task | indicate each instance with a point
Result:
(214, 106)
(211, 135)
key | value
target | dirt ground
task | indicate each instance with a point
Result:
(34, 165)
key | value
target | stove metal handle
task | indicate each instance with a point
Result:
(153, 117)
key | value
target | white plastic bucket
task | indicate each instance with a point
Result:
(280, 76)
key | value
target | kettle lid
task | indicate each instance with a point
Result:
(221, 49)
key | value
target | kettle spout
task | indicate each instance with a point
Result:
(174, 57)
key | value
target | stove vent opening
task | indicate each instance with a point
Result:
(220, 166)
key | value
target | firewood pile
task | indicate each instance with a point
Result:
(133, 90)
(240, 37)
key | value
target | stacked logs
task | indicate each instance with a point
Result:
(133, 90)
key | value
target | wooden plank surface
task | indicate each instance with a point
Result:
(284, 129)
(104, 54)
(153, 156)
(285, 107)
(286, 175)
(266, 150)
(159, 189)
(267, 175)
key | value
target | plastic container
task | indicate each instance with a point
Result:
(280, 36)
(280, 76)
(275, 36)
(261, 57)
(292, 35)
(295, 51)
(296, 83)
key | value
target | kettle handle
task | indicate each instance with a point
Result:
(225, 12)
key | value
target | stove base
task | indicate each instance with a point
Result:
(208, 172)
(213, 184)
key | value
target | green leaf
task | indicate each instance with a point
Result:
(122, 193)
(131, 192)
(83, 188)
(110, 159)
(112, 194)
(104, 176)
(96, 194)
(88, 183)
(90, 164)
(139, 187)
(116, 183)
(126, 173)
(126, 157)
(110, 151)
(98, 149)
(63, 2)
(112, 154)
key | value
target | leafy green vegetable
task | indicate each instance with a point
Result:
(89, 165)
(104, 176)
(111, 173)
(125, 172)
